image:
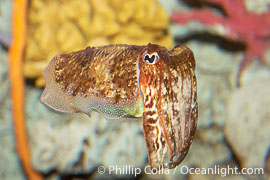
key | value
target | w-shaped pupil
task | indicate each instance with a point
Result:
(149, 59)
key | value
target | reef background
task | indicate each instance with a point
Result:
(233, 125)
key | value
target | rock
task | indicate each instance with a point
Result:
(259, 6)
(10, 167)
(72, 144)
(4, 80)
(208, 149)
(255, 71)
(267, 162)
(211, 59)
(5, 19)
(247, 127)
(214, 87)
(198, 176)
(5, 7)
(212, 93)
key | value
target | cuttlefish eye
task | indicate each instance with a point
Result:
(151, 58)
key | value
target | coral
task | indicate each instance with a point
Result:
(259, 6)
(237, 24)
(5, 17)
(54, 26)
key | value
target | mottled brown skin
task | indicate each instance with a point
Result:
(170, 103)
(100, 78)
(110, 78)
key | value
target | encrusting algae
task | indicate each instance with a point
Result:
(67, 25)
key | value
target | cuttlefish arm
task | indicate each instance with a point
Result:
(97, 78)
(168, 86)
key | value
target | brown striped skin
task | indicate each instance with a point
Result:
(170, 103)
(111, 78)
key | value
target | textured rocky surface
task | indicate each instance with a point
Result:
(73, 144)
(5, 16)
(9, 164)
(208, 149)
(248, 127)
(214, 82)
(259, 6)
(4, 81)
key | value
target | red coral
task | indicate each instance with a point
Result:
(239, 24)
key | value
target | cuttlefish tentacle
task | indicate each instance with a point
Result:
(169, 90)
(152, 123)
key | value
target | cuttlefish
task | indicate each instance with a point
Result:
(123, 81)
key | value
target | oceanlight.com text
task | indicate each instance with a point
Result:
(216, 170)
